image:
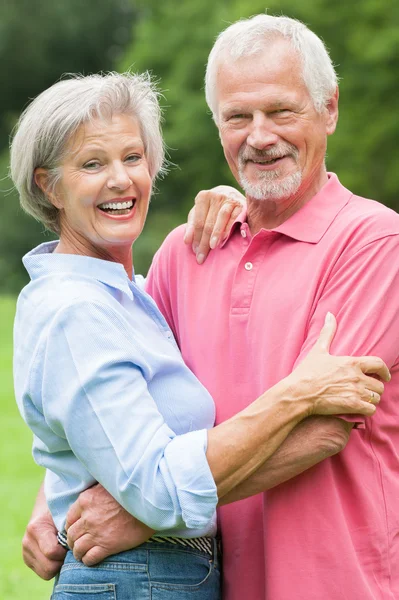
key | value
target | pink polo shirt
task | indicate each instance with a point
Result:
(243, 320)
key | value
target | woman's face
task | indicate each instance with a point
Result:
(105, 187)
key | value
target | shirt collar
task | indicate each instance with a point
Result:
(42, 261)
(311, 222)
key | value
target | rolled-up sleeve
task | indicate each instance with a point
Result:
(95, 395)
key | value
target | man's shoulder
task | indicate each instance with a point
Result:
(366, 220)
(371, 213)
(173, 247)
(174, 239)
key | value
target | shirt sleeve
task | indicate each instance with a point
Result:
(362, 292)
(95, 395)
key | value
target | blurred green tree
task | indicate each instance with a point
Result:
(172, 39)
(41, 40)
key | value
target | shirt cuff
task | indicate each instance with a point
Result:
(195, 486)
(358, 421)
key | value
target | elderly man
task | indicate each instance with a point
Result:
(328, 525)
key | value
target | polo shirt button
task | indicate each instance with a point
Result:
(243, 233)
(248, 266)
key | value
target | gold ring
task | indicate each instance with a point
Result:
(371, 397)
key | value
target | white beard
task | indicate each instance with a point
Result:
(267, 188)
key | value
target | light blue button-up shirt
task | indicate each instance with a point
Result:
(100, 381)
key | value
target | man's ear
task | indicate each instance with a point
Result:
(41, 178)
(332, 112)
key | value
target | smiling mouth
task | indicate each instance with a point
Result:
(117, 208)
(266, 162)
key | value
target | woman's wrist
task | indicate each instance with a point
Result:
(292, 396)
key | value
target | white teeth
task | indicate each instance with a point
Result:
(117, 205)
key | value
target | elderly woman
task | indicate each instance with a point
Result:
(98, 375)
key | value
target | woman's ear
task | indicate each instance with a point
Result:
(41, 177)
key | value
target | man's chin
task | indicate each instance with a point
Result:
(274, 190)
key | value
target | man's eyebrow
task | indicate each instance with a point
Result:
(233, 110)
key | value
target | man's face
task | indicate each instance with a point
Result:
(273, 138)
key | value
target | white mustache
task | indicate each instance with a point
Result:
(279, 151)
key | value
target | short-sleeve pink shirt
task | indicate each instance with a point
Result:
(243, 320)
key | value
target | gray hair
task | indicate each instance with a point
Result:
(249, 37)
(48, 123)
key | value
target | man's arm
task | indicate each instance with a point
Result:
(368, 324)
(313, 440)
(362, 292)
(40, 550)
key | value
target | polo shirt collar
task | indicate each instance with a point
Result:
(311, 222)
(42, 261)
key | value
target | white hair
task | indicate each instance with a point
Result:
(48, 123)
(249, 37)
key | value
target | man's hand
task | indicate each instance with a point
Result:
(40, 550)
(98, 526)
(211, 218)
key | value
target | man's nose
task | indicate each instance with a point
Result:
(119, 177)
(262, 133)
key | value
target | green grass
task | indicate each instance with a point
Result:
(19, 481)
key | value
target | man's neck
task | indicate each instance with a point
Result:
(269, 214)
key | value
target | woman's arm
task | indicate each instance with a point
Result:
(239, 446)
(99, 401)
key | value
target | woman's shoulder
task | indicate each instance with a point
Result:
(60, 294)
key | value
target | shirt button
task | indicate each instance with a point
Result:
(248, 266)
(243, 233)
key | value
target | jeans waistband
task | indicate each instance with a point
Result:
(207, 545)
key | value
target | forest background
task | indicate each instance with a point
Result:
(40, 40)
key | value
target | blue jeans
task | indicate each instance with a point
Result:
(152, 571)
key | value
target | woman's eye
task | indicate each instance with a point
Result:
(91, 165)
(133, 157)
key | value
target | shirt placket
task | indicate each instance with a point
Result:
(254, 253)
(152, 311)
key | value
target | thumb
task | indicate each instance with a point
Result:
(326, 334)
(50, 547)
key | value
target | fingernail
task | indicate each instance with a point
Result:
(200, 258)
(195, 247)
(214, 242)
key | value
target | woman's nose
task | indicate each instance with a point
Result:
(119, 178)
